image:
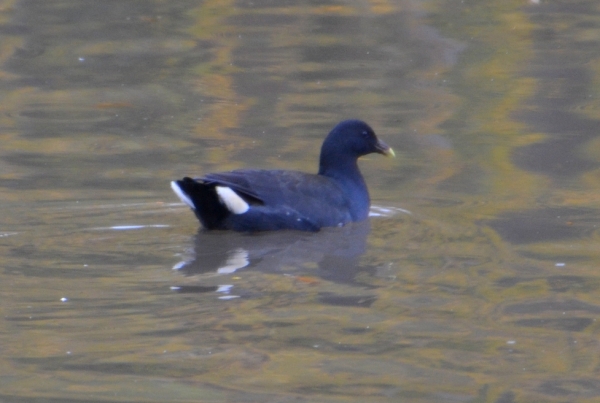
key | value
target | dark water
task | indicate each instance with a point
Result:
(475, 280)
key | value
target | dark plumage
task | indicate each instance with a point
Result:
(266, 200)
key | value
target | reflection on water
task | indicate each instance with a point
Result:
(476, 278)
(331, 254)
(220, 251)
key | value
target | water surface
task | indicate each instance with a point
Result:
(475, 280)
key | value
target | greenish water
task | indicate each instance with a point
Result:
(475, 280)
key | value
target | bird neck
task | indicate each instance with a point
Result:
(340, 167)
(346, 173)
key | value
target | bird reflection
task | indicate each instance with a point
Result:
(335, 252)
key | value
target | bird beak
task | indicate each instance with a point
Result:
(384, 149)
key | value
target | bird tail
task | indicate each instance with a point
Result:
(203, 199)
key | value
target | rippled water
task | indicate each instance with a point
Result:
(475, 278)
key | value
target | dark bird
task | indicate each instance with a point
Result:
(266, 200)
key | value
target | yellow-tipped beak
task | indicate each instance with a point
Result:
(384, 149)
